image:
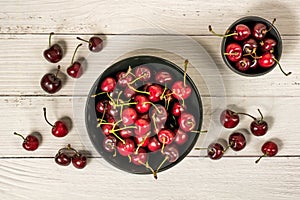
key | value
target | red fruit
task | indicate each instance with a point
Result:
(243, 64)
(163, 77)
(59, 129)
(54, 53)
(229, 119)
(95, 43)
(50, 83)
(181, 91)
(79, 161)
(30, 143)
(110, 143)
(75, 70)
(215, 151)
(124, 79)
(237, 141)
(140, 157)
(108, 85)
(177, 109)
(269, 149)
(126, 133)
(233, 52)
(249, 46)
(142, 106)
(62, 159)
(128, 92)
(142, 127)
(259, 128)
(187, 122)
(165, 136)
(155, 92)
(268, 44)
(154, 144)
(127, 148)
(266, 60)
(141, 140)
(102, 105)
(243, 32)
(259, 31)
(106, 129)
(181, 137)
(171, 152)
(129, 116)
(144, 72)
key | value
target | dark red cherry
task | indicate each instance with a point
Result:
(177, 109)
(62, 159)
(79, 161)
(59, 128)
(106, 129)
(129, 116)
(269, 149)
(127, 148)
(51, 83)
(187, 122)
(124, 78)
(268, 44)
(102, 105)
(155, 92)
(108, 84)
(75, 69)
(163, 77)
(259, 31)
(233, 52)
(181, 91)
(266, 60)
(143, 72)
(142, 127)
(159, 114)
(249, 46)
(243, 64)
(139, 158)
(128, 92)
(142, 140)
(166, 136)
(30, 143)
(237, 141)
(95, 43)
(171, 152)
(259, 128)
(54, 53)
(154, 144)
(110, 143)
(126, 133)
(142, 105)
(181, 137)
(215, 151)
(242, 32)
(229, 119)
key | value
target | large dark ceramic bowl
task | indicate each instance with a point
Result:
(154, 158)
(273, 33)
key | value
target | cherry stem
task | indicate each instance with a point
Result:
(75, 53)
(127, 104)
(163, 146)
(44, 109)
(148, 167)
(94, 95)
(156, 108)
(163, 93)
(200, 148)
(143, 92)
(200, 132)
(68, 148)
(50, 36)
(220, 35)
(141, 144)
(118, 98)
(78, 38)
(128, 71)
(261, 115)
(124, 128)
(135, 80)
(274, 20)
(229, 145)
(231, 54)
(161, 164)
(260, 158)
(101, 120)
(111, 99)
(281, 67)
(241, 113)
(57, 71)
(116, 135)
(20, 135)
(186, 62)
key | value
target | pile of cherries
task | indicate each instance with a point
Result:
(50, 82)
(145, 116)
(252, 48)
(237, 141)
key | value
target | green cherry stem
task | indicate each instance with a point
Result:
(141, 144)
(220, 35)
(50, 36)
(138, 91)
(94, 95)
(156, 108)
(265, 155)
(161, 164)
(75, 53)
(148, 167)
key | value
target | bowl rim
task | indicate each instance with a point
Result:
(277, 36)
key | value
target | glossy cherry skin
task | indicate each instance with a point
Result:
(237, 141)
(62, 159)
(59, 129)
(142, 127)
(268, 44)
(142, 106)
(124, 79)
(266, 60)
(75, 70)
(187, 122)
(95, 44)
(30, 143)
(177, 109)
(269, 149)
(140, 157)
(234, 52)
(154, 144)
(259, 31)
(155, 92)
(259, 127)
(243, 32)
(126, 133)
(171, 152)
(110, 143)
(128, 92)
(50, 83)
(79, 161)
(144, 72)
(159, 114)
(215, 151)
(243, 64)
(127, 148)
(53, 54)
(249, 46)
(166, 136)
(229, 119)
(141, 140)
(102, 105)
(181, 137)
(108, 84)
(106, 129)
(254, 64)
(129, 116)
(181, 91)
(163, 77)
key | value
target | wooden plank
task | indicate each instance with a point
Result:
(189, 17)
(22, 70)
(25, 115)
(193, 178)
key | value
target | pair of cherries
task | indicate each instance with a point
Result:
(50, 82)
(237, 141)
(67, 155)
(31, 142)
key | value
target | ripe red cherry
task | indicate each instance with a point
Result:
(171, 153)
(110, 143)
(127, 148)
(143, 72)
(62, 159)
(229, 119)
(106, 129)
(50, 83)
(154, 144)
(242, 32)
(215, 151)
(187, 122)
(155, 92)
(266, 60)
(268, 44)
(259, 31)
(142, 106)
(181, 137)
(128, 92)
(177, 109)
(95, 43)
(269, 149)
(75, 69)
(181, 91)
(142, 127)
(143, 141)
(163, 77)
(54, 53)
(79, 161)
(108, 84)
(259, 127)
(233, 52)
(243, 64)
(30, 143)
(249, 46)
(59, 129)
(139, 158)
(166, 136)
(102, 105)
(129, 116)
(124, 78)
(159, 114)
(126, 133)
(237, 141)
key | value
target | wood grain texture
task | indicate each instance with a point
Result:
(193, 178)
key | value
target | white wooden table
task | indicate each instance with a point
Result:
(24, 30)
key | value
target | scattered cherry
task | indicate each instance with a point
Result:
(269, 149)
(50, 83)
(229, 119)
(215, 151)
(75, 69)
(59, 129)
(62, 159)
(30, 143)
(259, 127)
(79, 161)
(54, 52)
(95, 43)
(237, 141)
